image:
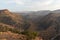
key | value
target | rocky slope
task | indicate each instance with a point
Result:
(9, 18)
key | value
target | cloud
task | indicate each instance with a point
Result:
(29, 2)
(36, 5)
(55, 5)
(20, 2)
(47, 2)
(25, 5)
(12, 2)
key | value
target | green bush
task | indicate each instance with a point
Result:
(30, 35)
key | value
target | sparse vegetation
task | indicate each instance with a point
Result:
(30, 35)
(14, 30)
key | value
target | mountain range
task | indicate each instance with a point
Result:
(46, 23)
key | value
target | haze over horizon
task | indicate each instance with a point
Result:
(29, 5)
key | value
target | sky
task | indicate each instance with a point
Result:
(29, 5)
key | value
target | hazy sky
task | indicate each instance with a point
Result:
(29, 5)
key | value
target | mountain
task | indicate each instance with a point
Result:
(7, 17)
(34, 16)
(41, 12)
(46, 23)
(56, 11)
(11, 25)
(49, 25)
(40, 20)
(50, 19)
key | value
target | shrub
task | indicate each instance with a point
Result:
(30, 35)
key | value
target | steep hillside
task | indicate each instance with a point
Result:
(50, 20)
(9, 18)
(49, 25)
